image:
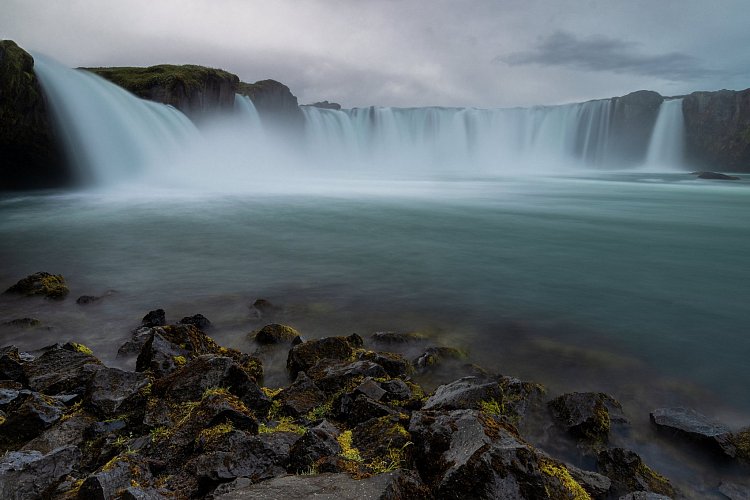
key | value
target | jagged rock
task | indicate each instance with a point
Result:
(397, 338)
(26, 475)
(117, 475)
(741, 440)
(51, 286)
(211, 371)
(23, 323)
(135, 493)
(236, 454)
(334, 376)
(134, 346)
(433, 357)
(394, 364)
(10, 364)
(734, 491)
(301, 397)
(696, 427)
(374, 438)
(317, 442)
(31, 155)
(276, 104)
(28, 415)
(113, 391)
(153, 318)
(197, 320)
(629, 474)
(197, 91)
(586, 415)
(464, 394)
(356, 408)
(304, 356)
(395, 390)
(68, 432)
(62, 369)
(717, 176)
(397, 485)
(276, 334)
(9, 392)
(596, 485)
(371, 389)
(466, 454)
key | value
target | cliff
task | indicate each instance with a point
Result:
(197, 91)
(275, 103)
(634, 116)
(30, 157)
(717, 129)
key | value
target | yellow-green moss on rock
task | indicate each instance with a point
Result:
(51, 286)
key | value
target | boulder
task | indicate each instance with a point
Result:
(464, 394)
(304, 356)
(433, 357)
(741, 441)
(301, 397)
(354, 408)
(113, 391)
(334, 376)
(394, 485)
(30, 152)
(734, 491)
(397, 337)
(197, 91)
(87, 299)
(395, 390)
(316, 443)
(65, 432)
(117, 475)
(10, 364)
(275, 334)
(629, 474)
(696, 427)
(198, 320)
(23, 323)
(717, 176)
(26, 475)
(586, 415)
(153, 318)
(394, 364)
(28, 415)
(62, 369)
(324, 105)
(51, 286)
(381, 438)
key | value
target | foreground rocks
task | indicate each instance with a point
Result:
(194, 421)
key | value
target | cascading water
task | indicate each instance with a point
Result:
(667, 145)
(109, 134)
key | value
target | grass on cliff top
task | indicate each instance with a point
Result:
(138, 79)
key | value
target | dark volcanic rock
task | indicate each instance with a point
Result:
(23, 323)
(717, 129)
(464, 394)
(51, 286)
(376, 437)
(156, 317)
(10, 364)
(108, 482)
(304, 356)
(301, 397)
(28, 415)
(197, 91)
(586, 415)
(397, 485)
(62, 369)
(717, 176)
(334, 376)
(734, 491)
(276, 334)
(397, 338)
(356, 408)
(30, 474)
(433, 357)
(628, 473)
(696, 427)
(197, 320)
(324, 105)
(68, 432)
(87, 299)
(276, 104)
(30, 156)
(633, 119)
(113, 391)
(741, 441)
(394, 364)
(317, 442)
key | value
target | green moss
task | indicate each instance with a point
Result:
(214, 432)
(655, 481)
(492, 407)
(571, 489)
(215, 391)
(284, 424)
(82, 348)
(160, 433)
(348, 451)
(742, 442)
(271, 393)
(179, 360)
(320, 411)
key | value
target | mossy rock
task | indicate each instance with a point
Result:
(51, 286)
(275, 334)
(628, 473)
(742, 442)
(585, 415)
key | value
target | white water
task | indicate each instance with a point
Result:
(113, 137)
(667, 140)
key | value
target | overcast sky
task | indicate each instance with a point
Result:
(481, 53)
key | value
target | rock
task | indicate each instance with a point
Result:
(276, 104)
(10, 364)
(138, 339)
(734, 491)
(51, 286)
(197, 91)
(135, 493)
(197, 320)
(435, 356)
(335, 376)
(160, 356)
(30, 152)
(62, 369)
(717, 129)
(741, 440)
(395, 390)
(717, 176)
(67, 432)
(28, 415)
(30, 474)
(397, 338)
(154, 318)
(596, 485)
(303, 356)
(382, 437)
(106, 483)
(9, 392)
(301, 397)
(325, 105)
(113, 391)
(23, 323)
(464, 394)
(394, 364)
(586, 415)
(395, 485)
(629, 474)
(87, 299)
(632, 123)
(275, 334)
(263, 305)
(644, 495)
(696, 427)
(466, 454)
(316, 443)
(356, 408)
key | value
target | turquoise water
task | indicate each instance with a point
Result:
(635, 283)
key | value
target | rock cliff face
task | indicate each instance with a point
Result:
(275, 103)
(197, 91)
(30, 156)
(632, 124)
(717, 129)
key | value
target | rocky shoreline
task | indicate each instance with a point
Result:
(194, 420)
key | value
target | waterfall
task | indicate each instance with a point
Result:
(667, 145)
(109, 134)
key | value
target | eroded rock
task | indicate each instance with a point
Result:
(51, 286)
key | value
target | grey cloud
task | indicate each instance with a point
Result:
(601, 53)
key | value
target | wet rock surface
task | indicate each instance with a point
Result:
(696, 427)
(51, 286)
(586, 415)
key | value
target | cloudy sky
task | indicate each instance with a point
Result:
(483, 53)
